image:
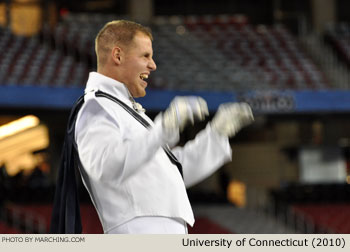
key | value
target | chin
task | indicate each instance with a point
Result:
(140, 94)
(143, 94)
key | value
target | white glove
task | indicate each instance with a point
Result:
(184, 109)
(231, 117)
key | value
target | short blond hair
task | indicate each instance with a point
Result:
(117, 32)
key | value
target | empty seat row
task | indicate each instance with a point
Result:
(223, 53)
(338, 35)
(27, 61)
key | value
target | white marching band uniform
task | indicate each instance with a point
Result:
(132, 183)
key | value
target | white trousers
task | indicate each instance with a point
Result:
(151, 225)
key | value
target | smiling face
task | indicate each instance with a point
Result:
(137, 64)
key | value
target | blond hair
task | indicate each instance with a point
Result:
(117, 32)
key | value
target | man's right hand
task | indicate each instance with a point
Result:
(184, 109)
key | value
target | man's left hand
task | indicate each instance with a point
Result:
(231, 117)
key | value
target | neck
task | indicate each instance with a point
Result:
(107, 73)
(113, 76)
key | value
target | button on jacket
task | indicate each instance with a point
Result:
(124, 167)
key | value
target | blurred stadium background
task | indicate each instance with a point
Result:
(289, 60)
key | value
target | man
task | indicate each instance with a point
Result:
(135, 182)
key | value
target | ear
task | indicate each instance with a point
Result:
(117, 55)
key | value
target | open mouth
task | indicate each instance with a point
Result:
(143, 76)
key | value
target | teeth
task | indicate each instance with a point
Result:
(144, 76)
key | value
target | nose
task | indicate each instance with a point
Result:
(152, 65)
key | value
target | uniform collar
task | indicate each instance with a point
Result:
(111, 86)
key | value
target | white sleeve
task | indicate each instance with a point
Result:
(103, 151)
(203, 156)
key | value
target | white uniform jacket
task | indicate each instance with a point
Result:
(124, 167)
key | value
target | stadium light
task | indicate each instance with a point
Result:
(18, 140)
(18, 125)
